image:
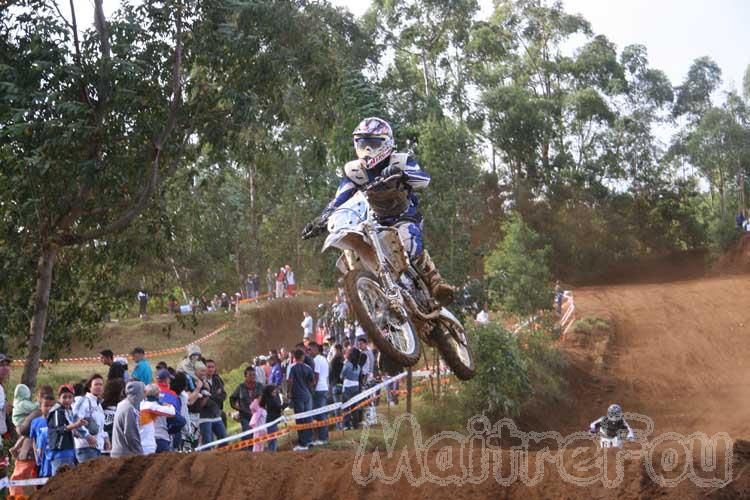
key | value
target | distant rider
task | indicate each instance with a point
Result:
(612, 425)
(395, 203)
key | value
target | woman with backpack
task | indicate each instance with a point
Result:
(60, 426)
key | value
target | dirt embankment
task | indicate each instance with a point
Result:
(736, 260)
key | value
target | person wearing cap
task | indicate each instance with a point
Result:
(142, 370)
(60, 426)
(126, 436)
(174, 425)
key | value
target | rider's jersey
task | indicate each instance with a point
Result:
(611, 428)
(390, 202)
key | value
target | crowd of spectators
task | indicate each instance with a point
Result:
(137, 409)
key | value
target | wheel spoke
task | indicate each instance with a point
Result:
(376, 304)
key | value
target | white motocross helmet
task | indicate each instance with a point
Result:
(614, 412)
(373, 141)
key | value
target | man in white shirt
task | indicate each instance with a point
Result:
(320, 395)
(369, 367)
(307, 325)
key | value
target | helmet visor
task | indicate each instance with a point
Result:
(369, 142)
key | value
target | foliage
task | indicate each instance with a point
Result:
(502, 383)
(518, 271)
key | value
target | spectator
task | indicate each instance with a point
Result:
(291, 282)
(187, 365)
(114, 392)
(260, 373)
(367, 361)
(22, 404)
(249, 287)
(256, 286)
(142, 303)
(740, 220)
(225, 302)
(153, 421)
(258, 419)
(167, 427)
(38, 434)
(270, 280)
(334, 379)
(216, 386)
(60, 425)
(272, 403)
(142, 370)
(116, 368)
(482, 316)
(266, 368)
(280, 283)
(179, 385)
(559, 292)
(390, 368)
(91, 439)
(276, 376)
(210, 423)
(244, 395)
(5, 362)
(307, 325)
(350, 376)
(23, 452)
(320, 395)
(126, 435)
(301, 381)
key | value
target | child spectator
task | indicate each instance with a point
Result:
(271, 401)
(38, 435)
(60, 425)
(22, 404)
(258, 419)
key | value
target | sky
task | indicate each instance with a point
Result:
(675, 32)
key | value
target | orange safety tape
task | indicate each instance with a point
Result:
(150, 354)
(252, 441)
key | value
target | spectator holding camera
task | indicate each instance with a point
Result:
(90, 440)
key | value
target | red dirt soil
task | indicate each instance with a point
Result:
(679, 353)
(737, 259)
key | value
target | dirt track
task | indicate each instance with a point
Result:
(680, 353)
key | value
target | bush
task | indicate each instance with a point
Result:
(722, 232)
(501, 384)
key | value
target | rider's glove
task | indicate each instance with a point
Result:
(317, 226)
(391, 170)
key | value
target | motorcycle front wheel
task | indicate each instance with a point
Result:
(457, 355)
(398, 340)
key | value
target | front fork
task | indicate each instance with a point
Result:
(392, 290)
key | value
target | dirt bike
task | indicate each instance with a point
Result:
(389, 298)
(611, 442)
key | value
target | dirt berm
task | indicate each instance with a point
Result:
(679, 354)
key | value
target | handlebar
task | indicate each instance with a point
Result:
(381, 181)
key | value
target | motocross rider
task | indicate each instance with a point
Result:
(612, 425)
(394, 204)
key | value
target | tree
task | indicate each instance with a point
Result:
(517, 270)
(89, 126)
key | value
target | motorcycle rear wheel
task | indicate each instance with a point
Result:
(457, 355)
(368, 301)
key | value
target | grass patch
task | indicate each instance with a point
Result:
(590, 324)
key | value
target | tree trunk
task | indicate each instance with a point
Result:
(252, 182)
(39, 318)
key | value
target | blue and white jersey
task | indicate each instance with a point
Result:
(356, 177)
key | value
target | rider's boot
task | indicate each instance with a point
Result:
(441, 291)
